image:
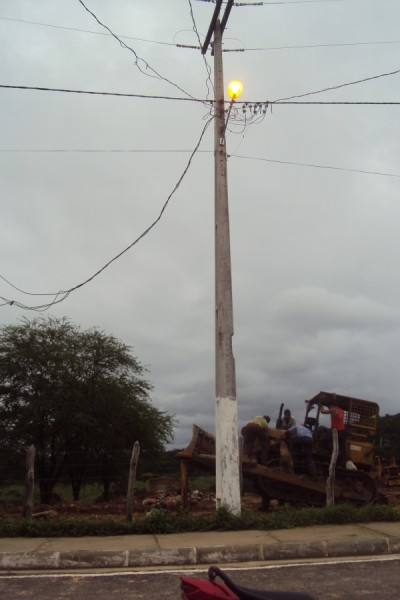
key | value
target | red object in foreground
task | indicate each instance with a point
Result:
(203, 589)
(209, 589)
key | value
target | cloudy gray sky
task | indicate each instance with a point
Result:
(313, 192)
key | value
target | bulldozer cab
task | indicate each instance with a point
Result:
(360, 418)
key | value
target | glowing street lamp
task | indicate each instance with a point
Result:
(235, 88)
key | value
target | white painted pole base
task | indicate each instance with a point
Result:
(227, 455)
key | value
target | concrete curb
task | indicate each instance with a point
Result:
(86, 559)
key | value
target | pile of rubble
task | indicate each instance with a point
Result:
(196, 501)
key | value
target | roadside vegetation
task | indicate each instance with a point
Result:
(159, 521)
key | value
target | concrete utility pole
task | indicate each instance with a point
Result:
(226, 422)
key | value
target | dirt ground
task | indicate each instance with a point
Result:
(199, 503)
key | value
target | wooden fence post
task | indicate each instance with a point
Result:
(330, 482)
(184, 482)
(241, 444)
(131, 480)
(29, 483)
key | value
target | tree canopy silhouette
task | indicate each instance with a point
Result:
(80, 396)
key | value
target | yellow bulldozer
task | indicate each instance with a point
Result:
(370, 478)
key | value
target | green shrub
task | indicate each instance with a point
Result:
(205, 483)
(11, 495)
(158, 521)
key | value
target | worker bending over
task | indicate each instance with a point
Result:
(256, 440)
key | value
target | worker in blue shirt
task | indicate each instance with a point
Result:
(300, 441)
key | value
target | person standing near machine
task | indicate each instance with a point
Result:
(287, 422)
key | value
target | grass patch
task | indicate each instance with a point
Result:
(12, 495)
(158, 521)
(205, 483)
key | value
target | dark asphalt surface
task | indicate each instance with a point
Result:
(347, 580)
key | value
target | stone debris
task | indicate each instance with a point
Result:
(165, 500)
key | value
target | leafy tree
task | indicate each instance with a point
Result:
(80, 397)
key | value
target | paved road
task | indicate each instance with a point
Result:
(341, 580)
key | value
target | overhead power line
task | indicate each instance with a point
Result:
(200, 100)
(288, 2)
(315, 166)
(301, 46)
(340, 85)
(99, 151)
(209, 83)
(95, 93)
(244, 4)
(192, 47)
(138, 61)
(179, 151)
(205, 101)
(259, 104)
(338, 103)
(62, 295)
(51, 25)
